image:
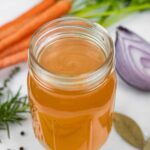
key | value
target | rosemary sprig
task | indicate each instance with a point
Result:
(12, 106)
(8, 79)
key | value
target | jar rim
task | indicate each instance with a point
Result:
(70, 80)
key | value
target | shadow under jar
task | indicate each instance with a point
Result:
(71, 84)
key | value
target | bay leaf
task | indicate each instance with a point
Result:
(147, 145)
(129, 130)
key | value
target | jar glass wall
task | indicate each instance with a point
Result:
(71, 84)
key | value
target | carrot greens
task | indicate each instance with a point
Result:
(107, 12)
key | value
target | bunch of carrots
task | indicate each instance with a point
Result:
(15, 36)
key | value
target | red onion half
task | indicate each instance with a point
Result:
(133, 58)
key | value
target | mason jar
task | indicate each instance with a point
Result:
(71, 84)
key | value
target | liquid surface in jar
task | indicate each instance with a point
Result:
(72, 120)
(72, 57)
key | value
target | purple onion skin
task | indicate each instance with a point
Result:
(133, 58)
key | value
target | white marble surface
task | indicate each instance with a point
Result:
(128, 100)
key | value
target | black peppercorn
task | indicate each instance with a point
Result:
(21, 148)
(22, 133)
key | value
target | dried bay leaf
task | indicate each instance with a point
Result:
(147, 145)
(129, 130)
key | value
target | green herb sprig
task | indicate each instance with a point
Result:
(12, 106)
(107, 12)
(7, 80)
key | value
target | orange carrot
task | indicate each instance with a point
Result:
(57, 10)
(13, 59)
(13, 25)
(24, 44)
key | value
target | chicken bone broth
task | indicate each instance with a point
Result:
(72, 108)
(71, 57)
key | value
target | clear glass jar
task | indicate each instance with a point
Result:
(71, 112)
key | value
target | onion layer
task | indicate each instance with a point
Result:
(133, 58)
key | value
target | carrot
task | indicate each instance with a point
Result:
(13, 59)
(13, 25)
(24, 44)
(57, 10)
